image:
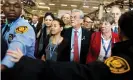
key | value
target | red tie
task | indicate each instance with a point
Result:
(76, 50)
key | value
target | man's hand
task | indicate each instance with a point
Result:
(15, 54)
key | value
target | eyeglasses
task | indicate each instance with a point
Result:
(88, 21)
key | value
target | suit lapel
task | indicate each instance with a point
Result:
(82, 39)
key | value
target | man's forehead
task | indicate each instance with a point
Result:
(87, 18)
(66, 15)
(115, 10)
(75, 13)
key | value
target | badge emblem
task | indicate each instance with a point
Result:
(10, 38)
(117, 65)
(21, 29)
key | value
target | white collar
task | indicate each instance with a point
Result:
(79, 30)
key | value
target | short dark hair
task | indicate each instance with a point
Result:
(107, 18)
(49, 14)
(60, 22)
(35, 15)
(126, 24)
(87, 16)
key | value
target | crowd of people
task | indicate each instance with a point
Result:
(67, 48)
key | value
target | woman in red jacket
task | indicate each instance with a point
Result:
(102, 41)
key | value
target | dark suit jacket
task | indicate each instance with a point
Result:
(33, 69)
(62, 50)
(35, 29)
(84, 43)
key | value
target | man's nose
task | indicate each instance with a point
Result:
(11, 7)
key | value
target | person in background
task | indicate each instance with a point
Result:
(56, 47)
(88, 23)
(102, 42)
(3, 19)
(44, 31)
(67, 20)
(78, 38)
(116, 13)
(34, 22)
(17, 32)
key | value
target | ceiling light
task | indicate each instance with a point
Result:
(41, 3)
(44, 7)
(73, 5)
(95, 7)
(86, 6)
(63, 4)
(52, 4)
(126, 9)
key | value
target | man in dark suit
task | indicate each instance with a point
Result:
(78, 37)
(34, 22)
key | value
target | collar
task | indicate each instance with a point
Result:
(13, 21)
(114, 25)
(104, 38)
(79, 30)
(35, 23)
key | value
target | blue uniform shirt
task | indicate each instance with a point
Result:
(20, 35)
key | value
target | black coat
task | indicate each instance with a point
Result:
(84, 43)
(62, 50)
(31, 69)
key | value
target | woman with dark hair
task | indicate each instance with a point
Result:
(44, 32)
(55, 47)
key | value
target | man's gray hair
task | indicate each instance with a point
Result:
(80, 11)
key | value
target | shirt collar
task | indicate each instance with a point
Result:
(79, 30)
(13, 21)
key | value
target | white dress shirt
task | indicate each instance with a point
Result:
(35, 25)
(79, 34)
(102, 51)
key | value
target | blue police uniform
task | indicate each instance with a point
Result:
(19, 35)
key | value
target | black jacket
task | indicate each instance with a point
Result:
(35, 69)
(85, 42)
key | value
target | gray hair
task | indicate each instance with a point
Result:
(80, 11)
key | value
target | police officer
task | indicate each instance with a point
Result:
(117, 67)
(17, 32)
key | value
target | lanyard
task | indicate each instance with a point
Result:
(52, 51)
(106, 50)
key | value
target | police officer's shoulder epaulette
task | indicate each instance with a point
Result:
(117, 65)
(21, 29)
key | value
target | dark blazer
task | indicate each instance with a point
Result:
(33, 69)
(43, 35)
(62, 50)
(84, 43)
(35, 29)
